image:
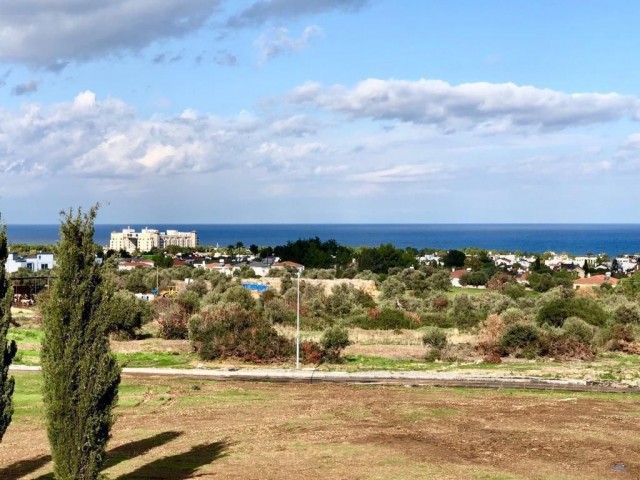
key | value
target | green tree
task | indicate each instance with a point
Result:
(454, 258)
(80, 375)
(7, 349)
(128, 314)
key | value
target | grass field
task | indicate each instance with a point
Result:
(180, 429)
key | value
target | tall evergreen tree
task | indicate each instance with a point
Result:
(7, 349)
(81, 376)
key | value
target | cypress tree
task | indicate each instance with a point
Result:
(7, 349)
(80, 374)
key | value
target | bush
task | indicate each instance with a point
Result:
(565, 347)
(577, 328)
(432, 354)
(513, 315)
(465, 313)
(435, 337)
(521, 339)
(557, 311)
(277, 310)
(311, 352)
(615, 337)
(388, 319)
(333, 341)
(627, 314)
(172, 318)
(231, 331)
(438, 319)
(128, 314)
(514, 290)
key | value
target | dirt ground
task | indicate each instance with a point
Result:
(179, 429)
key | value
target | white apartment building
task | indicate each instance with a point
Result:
(148, 238)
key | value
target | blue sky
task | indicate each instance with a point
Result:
(320, 111)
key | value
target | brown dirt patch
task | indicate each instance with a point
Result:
(177, 429)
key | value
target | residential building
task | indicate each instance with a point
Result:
(148, 238)
(595, 281)
(34, 263)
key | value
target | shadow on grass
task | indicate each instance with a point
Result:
(114, 456)
(23, 467)
(131, 450)
(181, 466)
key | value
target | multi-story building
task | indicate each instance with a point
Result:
(148, 238)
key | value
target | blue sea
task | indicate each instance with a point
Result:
(576, 239)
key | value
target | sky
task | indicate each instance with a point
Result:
(320, 111)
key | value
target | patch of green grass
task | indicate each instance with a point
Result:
(26, 335)
(469, 291)
(27, 357)
(355, 363)
(155, 360)
(27, 398)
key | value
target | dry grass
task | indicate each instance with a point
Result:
(178, 429)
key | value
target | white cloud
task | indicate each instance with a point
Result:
(264, 10)
(486, 107)
(50, 34)
(105, 138)
(295, 125)
(275, 155)
(401, 174)
(277, 42)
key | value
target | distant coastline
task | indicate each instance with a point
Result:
(575, 239)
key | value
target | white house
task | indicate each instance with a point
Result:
(34, 263)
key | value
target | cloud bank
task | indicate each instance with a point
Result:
(492, 107)
(53, 33)
(265, 10)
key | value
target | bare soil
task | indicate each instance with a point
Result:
(179, 429)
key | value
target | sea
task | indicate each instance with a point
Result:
(575, 239)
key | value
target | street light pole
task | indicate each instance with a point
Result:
(298, 327)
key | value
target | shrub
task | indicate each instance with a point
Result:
(277, 310)
(514, 290)
(435, 337)
(577, 328)
(488, 338)
(311, 352)
(127, 314)
(513, 315)
(615, 337)
(557, 311)
(240, 295)
(438, 319)
(627, 314)
(521, 339)
(565, 347)
(465, 313)
(333, 341)
(172, 319)
(228, 330)
(439, 303)
(432, 354)
(188, 300)
(390, 319)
